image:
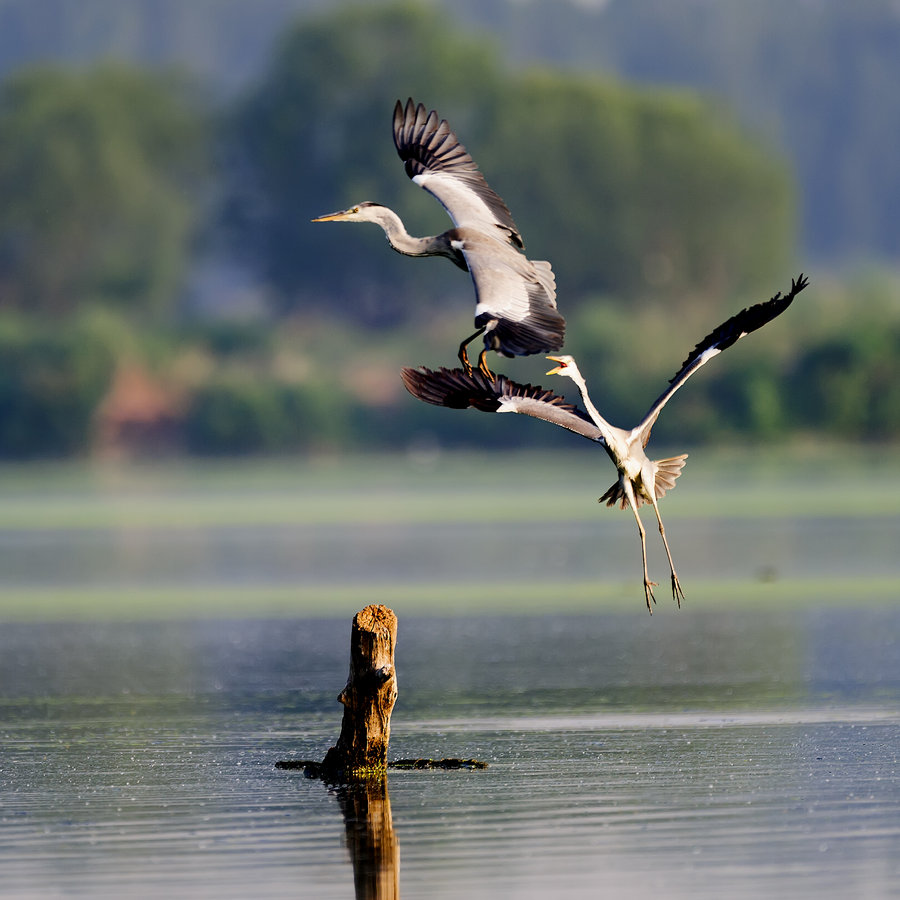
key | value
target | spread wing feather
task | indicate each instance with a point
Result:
(721, 338)
(458, 389)
(742, 324)
(435, 159)
(516, 292)
(515, 296)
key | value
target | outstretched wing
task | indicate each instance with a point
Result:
(435, 160)
(515, 297)
(723, 337)
(458, 389)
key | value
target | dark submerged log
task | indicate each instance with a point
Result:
(315, 769)
(449, 762)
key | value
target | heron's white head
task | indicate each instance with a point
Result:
(362, 212)
(565, 365)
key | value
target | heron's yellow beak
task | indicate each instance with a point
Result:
(556, 369)
(335, 216)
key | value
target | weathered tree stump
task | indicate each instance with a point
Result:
(368, 698)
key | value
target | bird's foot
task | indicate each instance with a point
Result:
(648, 593)
(463, 358)
(483, 368)
(677, 592)
(463, 354)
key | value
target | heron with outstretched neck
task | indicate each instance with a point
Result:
(641, 480)
(515, 310)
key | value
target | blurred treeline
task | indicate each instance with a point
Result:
(162, 289)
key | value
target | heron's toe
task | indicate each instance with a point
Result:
(648, 594)
(677, 592)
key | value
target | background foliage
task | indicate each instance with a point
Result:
(818, 78)
(100, 175)
(628, 192)
(152, 220)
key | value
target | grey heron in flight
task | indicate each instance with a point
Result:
(515, 309)
(641, 480)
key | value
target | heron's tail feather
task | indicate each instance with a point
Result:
(665, 472)
(615, 495)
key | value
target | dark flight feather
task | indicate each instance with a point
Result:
(743, 323)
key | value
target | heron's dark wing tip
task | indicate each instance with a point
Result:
(744, 322)
(459, 389)
(452, 388)
(427, 147)
(798, 284)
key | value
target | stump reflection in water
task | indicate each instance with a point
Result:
(371, 841)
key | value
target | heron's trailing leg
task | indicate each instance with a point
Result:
(483, 366)
(464, 356)
(648, 584)
(677, 592)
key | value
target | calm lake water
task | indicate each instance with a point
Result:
(705, 754)
(746, 745)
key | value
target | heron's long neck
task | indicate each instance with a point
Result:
(607, 430)
(403, 242)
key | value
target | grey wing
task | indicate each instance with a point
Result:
(721, 338)
(435, 160)
(515, 297)
(458, 389)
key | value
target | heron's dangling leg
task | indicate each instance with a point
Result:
(483, 366)
(463, 356)
(677, 592)
(648, 584)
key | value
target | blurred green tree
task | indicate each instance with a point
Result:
(315, 136)
(849, 385)
(235, 415)
(640, 193)
(101, 172)
(629, 191)
(51, 381)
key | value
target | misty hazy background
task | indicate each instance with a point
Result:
(174, 626)
(162, 290)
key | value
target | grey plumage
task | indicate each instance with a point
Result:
(641, 480)
(515, 297)
(432, 153)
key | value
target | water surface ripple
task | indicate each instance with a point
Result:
(704, 754)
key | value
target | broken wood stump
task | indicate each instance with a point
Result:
(368, 698)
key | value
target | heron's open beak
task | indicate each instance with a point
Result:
(335, 216)
(556, 369)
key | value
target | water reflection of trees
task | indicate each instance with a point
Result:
(373, 846)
